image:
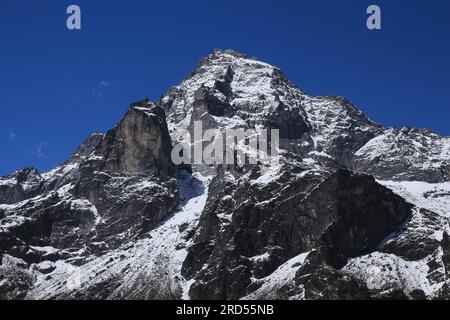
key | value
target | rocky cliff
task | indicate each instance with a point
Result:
(353, 210)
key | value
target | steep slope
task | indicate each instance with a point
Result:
(238, 91)
(114, 189)
(321, 135)
(119, 221)
(246, 231)
(406, 154)
(228, 89)
(148, 268)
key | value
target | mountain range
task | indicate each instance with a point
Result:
(353, 209)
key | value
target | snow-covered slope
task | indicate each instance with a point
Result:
(147, 269)
(119, 221)
(431, 196)
(259, 95)
(406, 154)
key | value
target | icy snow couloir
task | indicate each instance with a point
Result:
(353, 210)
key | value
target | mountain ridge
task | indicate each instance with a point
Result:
(119, 221)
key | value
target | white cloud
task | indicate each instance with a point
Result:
(12, 136)
(98, 90)
(103, 84)
(96, 93)
(39, 150)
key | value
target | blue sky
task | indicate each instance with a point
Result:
(58, 86)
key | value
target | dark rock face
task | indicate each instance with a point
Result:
(446, 247)
(211, 103)
(21, 185)
(115, 188)
(346, 214)
(205, 107)
(52, 221)
(322, 282)
(415, 242)
(15, 281)
(366, 212)
(291, 124)
(139, 143)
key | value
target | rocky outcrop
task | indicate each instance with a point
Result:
(347, 215)
(406, 154)
(114, 189)
(21, 185)
(139, 143)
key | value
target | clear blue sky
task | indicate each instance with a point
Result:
(58, 86)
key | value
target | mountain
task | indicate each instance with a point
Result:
(352, 210)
